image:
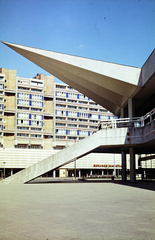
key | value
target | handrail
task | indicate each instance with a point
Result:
(128, 122)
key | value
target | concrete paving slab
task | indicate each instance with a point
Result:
(105, 210)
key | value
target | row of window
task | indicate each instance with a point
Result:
(27, 128)
(30, 116)
(31, 135)
(25, 146)
(82, 115)
(75, 126)
(30, 96)
(74, 101)
(71, 95)
(69, 138)
(81, 108)
(29, 122)
(27, 109)
(27, 89)
(29, 103)
(72, 132)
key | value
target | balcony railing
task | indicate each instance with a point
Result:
(128, 122)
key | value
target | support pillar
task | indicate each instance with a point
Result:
(11, 171)
(132, 165)
(91, 172)
(124, 177)
(130, 109)
(102, 172)
(53, 173)
(122, 112)
(79, 173)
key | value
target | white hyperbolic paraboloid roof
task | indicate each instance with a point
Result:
(108, 84)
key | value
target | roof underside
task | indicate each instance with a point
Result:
(108, 84)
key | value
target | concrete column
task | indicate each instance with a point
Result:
(91, 172)
(124, 178)
(54, 173)
(66, 172)
(79, 173)
(122, 112)
(132, 165)
(102, 172)
(11, 171)
(130, 109)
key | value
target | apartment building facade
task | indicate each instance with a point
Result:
(39, 117)
(26, 121)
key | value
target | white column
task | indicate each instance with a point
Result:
(11, 171)
(91, 172)
(132, 165)
(53, 173)
(102, 172)
(123, 166)
(79, 173)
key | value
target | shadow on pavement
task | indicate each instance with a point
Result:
(148, 185)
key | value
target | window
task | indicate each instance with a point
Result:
(22, 88)
(83, 133)
(72, 95)
(36, 90)
(83, 97)
(36, 104)
(23, 102)
(35, 146)
(59, 105)
(72, 119)
(72, 114)
(36, 116)
(60, 124)
(72, 125)
(83, 126)
(62, 94)
(21, 146)
(23, 122)
(61, 113)
(22, 108)
(36, 135)
(60, 118)
(72, 132)
(83, 115)
(60, 137)
(22, 128)
(36, 123)
(95, 116)
(60, 99)
(22, 135)
(104, 117)
(36, 109)
(93, 109)
(23, 115)
(82, 108)
(60, 131)
(23, 95)
(36, 129)
(37, 97)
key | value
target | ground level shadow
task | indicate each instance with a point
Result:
(148, 185)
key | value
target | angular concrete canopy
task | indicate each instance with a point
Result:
(108, 84)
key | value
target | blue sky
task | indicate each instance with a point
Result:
(120, 31)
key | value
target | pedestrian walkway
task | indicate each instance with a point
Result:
(82, 210)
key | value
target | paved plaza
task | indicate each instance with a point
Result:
(77, 210)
